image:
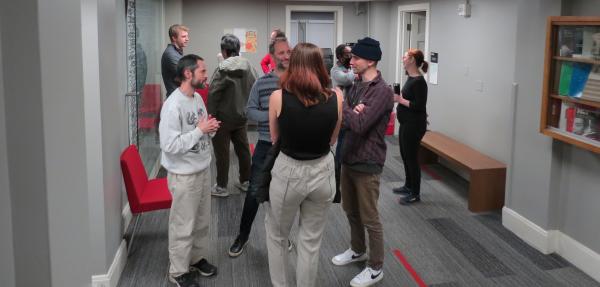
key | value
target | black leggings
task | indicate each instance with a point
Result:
(410, 136)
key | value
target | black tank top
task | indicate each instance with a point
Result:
(305, 132)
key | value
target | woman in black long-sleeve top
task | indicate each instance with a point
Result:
(412, 116)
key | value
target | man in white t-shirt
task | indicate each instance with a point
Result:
(185, 131)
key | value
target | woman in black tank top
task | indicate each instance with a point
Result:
(305, 116)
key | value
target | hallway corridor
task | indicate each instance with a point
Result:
(436, 242)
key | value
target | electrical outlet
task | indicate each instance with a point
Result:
(466, 71)
(479, 86)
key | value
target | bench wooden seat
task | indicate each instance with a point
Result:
(487, 175)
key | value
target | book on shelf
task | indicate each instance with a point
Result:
(592, 88)
(579, 78)
(567, 117)
(580, 120)
(566, 72)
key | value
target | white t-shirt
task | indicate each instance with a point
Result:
(185, 148)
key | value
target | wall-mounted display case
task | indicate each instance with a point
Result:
(571, 87)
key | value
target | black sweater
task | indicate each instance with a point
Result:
(415, 91)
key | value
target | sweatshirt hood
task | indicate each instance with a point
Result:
(235, 66)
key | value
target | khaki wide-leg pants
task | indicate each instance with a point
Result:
(304, 186)
(189, 220)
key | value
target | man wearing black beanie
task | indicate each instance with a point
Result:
(366, 114)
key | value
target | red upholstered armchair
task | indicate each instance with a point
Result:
(143, 194)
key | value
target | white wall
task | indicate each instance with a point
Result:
(25, 150)
(379, 16)
(63, 108)
(581, 8)
(173, 15)
(529, 193)
(579, 189)
(579, 196)
(113, 87)
(63, 138)
(208, 19)
(473, 50)
(7, 261)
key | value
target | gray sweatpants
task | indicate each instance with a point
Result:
(304, 186)
(189, 220)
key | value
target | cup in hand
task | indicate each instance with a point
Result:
(397, 88)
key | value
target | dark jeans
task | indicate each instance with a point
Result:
(250, 204)
(226, 134)
(338, 156)
(410, 135)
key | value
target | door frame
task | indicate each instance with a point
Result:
(400, 37)
(338, 14)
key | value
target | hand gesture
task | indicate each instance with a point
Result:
(359, 108)
(208, 125)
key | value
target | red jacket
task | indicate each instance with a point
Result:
(267, 64)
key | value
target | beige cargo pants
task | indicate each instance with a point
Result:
(189, 220)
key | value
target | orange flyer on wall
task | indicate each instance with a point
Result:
(251, 41)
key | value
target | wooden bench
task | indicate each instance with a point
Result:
(487, 175)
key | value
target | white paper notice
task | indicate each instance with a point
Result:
(240, 33)
(433, 68)
(433, 73)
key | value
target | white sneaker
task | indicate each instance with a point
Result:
(347, 257)
(367, 277)
(219, 191)
(243, 186)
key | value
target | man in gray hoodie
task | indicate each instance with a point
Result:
(227, 98)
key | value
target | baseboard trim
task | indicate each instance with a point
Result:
(553, 241)
(126, 215)
(111, 279)
(541, 239)
(579, 255)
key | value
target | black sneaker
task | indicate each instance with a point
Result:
(290, 246)
(185, 280)
(237, 247)
(401, 190)
(204, 268)
(410, 198)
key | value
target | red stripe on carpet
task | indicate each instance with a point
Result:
(409, 268)
(430, 172)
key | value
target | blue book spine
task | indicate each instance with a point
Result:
(581, 72)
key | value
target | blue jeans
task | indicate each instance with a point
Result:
(250, 204)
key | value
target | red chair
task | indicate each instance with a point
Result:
(143, 194)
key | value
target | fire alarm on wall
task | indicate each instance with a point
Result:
(464, 9)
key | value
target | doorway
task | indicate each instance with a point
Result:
(320, 25)
(313, 27)
(413, 32)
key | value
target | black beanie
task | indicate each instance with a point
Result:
(367, 48)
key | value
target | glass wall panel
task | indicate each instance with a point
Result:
(148, 50)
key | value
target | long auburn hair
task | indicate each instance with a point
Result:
(306, 76)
